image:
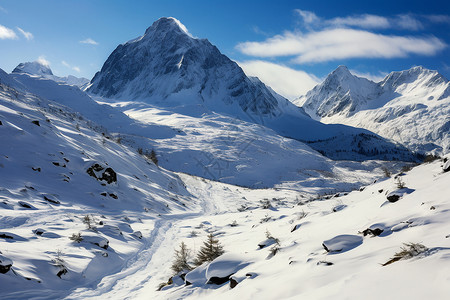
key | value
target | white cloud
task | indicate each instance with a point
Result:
(43, 61)
(27, 35)
(341, 43)
(440, 19)
(287, 82)
(7, 33)
(89, 41)
(3, 10)
(67, 65)
(362, 21)
(307, 16)
(408, 22)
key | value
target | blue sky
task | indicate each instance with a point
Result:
(290, 45)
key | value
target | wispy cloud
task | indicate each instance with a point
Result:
(439, 19)
(286, 81)
(2, 9)
(43, 61)
(365, 21)
(308, 17)
(67, 65)
(362, 21)
(408, 22)
(346, 37)
(7, 33)
(26, 34)
(89, 41)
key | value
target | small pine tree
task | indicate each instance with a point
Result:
(153, 157)
(181, 259)
(210, 250)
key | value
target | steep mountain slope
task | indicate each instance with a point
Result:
(37, 68)
(60, 177)
(167, 68)
(170, 67)
(411, 107)
(214, 146)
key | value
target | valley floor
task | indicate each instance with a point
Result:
(301, 268)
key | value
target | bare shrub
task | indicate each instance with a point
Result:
(409, 250)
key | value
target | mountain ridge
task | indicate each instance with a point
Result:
(410, 106)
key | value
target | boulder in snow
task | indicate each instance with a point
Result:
(446, 166)
(268, 242)
(5, 264)
(394, 196)
(102, 174)
(96, 239)
(220, 269)
(342, 243)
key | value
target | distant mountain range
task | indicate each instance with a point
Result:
(411, 107)
(39, 69)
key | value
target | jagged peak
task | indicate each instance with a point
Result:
(167, 24)
(33, 68)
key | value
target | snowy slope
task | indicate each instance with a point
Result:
(301, 267)
(46, 191)
(37, 68)
(213, 146)
(411, 107)
(169, 69)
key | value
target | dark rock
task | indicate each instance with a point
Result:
(113, 196)
(38, 231)
(5, 264)
(393, 198)
(108, 175)
(372, 232)
(219, 280)
(325, 263)
(233, 283)
(446, 166)
(61, 272)
(36, 169)
(51, 200)
(24, 204)
(295, 227)
(1, 123)
(380, 191)
(103, 194)
(36, 123)
(5, 236)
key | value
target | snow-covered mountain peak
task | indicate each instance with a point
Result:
(409, 106)
(33, 68)
(417, 76)
(167, 25)
(167, 67)
(341, 92)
